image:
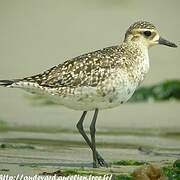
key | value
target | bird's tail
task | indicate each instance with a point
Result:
(8, 83)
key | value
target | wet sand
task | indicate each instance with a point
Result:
(31, 151)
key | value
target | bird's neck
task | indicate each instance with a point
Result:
(137, 58)
(136, 51)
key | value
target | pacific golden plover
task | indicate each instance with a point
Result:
(97, 80)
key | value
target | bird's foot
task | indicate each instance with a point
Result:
(95, 165)
(101, 161)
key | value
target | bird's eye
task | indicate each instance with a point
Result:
(147, 33)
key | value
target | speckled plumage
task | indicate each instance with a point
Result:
(101, 79)
(141, 25)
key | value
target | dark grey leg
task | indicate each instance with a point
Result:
(93, 141)
(79, 125)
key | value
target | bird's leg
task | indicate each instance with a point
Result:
(93, 132)
(79, 125)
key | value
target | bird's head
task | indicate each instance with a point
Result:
(145, 33)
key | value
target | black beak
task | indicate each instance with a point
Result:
(165, 42)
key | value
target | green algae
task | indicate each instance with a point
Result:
(123, 177)
(166, 90)
(177, 165)
(89, 172)
(16, 146)
(172, 171)
(78, 171)
(83, 172)
(129, 163)
(5, 170)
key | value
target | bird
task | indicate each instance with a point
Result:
(98, 80)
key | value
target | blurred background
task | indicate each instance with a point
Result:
(36, 35)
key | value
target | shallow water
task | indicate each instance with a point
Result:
(35, 36)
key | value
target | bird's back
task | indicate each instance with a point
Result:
(85, 70)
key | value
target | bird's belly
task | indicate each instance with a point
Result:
(90, 99)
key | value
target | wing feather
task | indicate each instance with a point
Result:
(85, 70)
